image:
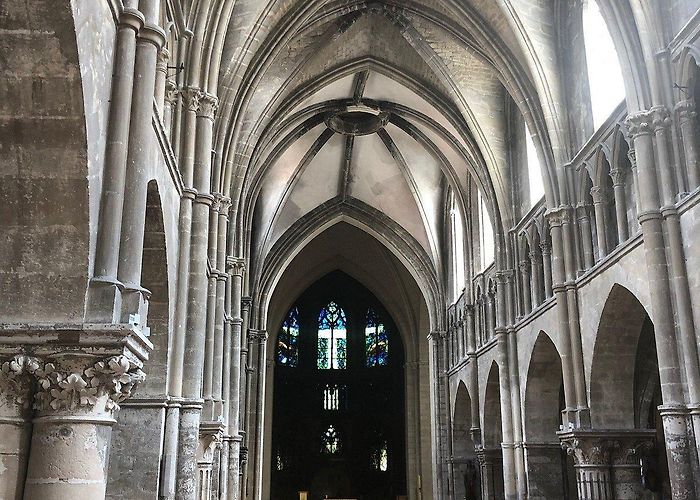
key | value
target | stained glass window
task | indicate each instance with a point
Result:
(380, 458)
(331, 441)
(335, 397)
(332, 338)
(287, 340)
(376, 340)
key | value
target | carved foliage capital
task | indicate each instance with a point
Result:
(618, 176)
(71, 386)
(235, 266)
(190, 98)
(208, 104)
(259, 336)
(558, 216)
(598, 194)
(640, 124)
(686, 110)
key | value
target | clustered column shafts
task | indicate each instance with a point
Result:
(673, 412)
(104, 299)
(190, 414)
(150, 40)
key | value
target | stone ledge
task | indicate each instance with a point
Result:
(100, 340)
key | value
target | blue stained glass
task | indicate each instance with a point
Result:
(287, 340)
(332, 338)
(323, 358)
(376, 341)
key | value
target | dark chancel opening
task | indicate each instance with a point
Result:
(338, 411)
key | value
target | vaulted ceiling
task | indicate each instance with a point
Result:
(388, 103)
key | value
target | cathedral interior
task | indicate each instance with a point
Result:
(349, 249)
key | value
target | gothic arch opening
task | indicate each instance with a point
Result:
(352, 252)
(338, 411)
(549, 470)
(492, 485)
(138, 436)
(625, 391)
(466, 465)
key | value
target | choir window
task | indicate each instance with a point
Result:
(287, 340)
(331, 441)
(332, 338)
(376, 341)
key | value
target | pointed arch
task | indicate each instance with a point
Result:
(614, 356)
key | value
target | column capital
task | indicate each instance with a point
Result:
(632, 156)
(163, 58)
(246, 303)
(190, 98)
(259, 336)
(558, 215)
(505, 276)
(235, 266)
(545, 247)
(524, 266)
(618, 176)
(640, 124)
(72, 384)
(599, 195)
(686, 110)
(661, 118)
(607, 447)
(437, 335)
(171, 92)
(208, 104)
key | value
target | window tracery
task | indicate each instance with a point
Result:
(376, 340)
(288, 339)
(332, 338)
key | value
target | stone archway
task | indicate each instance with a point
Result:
(137, 461)
(623, 454)
(491, 454)
(465, 463)
(548, 470)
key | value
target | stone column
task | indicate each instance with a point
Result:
(618, 178)
(650, 218)
(104, 291)
(546, 249)
(584, 223)
(16, 393)
(526, 286)
(74, 379)
(687, 118)
(190, 414)
(600, 201)
(536, 278)
(556, 219)
(138, 163)
(236, 268)
(170, 101)
(161, 76)
(246, 390)
(210, 438)
(491, 472)
(607, 462)
(259, 338)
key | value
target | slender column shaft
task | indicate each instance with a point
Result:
(246, 390)
(618, 177)
(599, 203)
(103, 302)
(556, 218)
(161, 75)
(675, 428)
(150, 39)
(526, 286)
(547, 263)
(236, 269)
(584, 223)
(687, 116)
(260, 338)
(536, 279)
(196, 304)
